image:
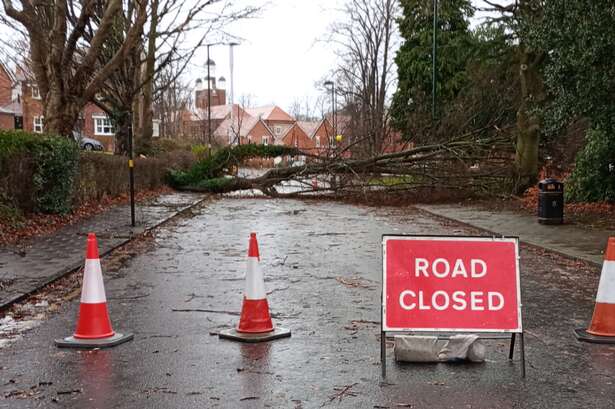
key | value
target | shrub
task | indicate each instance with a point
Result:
(200, 151)
(221, 162)
(107, 175)
(38, 172)
(593, 178)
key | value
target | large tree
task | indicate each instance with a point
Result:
(364, 41)
(66, 66)
(414, 58)
(579, 75)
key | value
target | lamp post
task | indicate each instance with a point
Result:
(208, 100)
(331, 84)
(232, 44)
(131, 172)
(434, 60)
(231, 60)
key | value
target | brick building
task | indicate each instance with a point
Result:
(21, 107)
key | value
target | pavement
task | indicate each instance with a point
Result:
(569, 239)
(44, 259)
(322, 267)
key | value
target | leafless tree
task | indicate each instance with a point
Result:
(133, 87)
(97, 51)
(172, 100)
(363, 79)
(66, 70)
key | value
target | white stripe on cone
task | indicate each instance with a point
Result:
(255, 283)
(93, 289)
(606, 287)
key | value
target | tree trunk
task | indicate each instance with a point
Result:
(528, 123)
(122, 128)
(60, 116)
(147, 118)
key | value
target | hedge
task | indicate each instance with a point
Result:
(37, 172)
(48, 174)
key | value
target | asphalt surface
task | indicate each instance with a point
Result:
(41, 260)
(322, 266)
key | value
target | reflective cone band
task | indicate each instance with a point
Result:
(93, 325)
(255, 321)
(602, 327)
(94, 319)
(603, 320)
(255, 316)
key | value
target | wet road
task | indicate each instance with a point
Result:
(322, 268)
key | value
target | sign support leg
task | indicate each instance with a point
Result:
(522, 345)
(511, 353)
(383, 353)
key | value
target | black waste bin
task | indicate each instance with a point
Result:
(550, 201)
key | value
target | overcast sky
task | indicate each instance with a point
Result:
(281, 58)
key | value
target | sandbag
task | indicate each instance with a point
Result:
(415, 348)
(463, 347)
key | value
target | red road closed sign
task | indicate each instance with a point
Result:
(468, 284)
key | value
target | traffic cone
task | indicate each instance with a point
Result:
(602, 328)
(255, 323)
(93, 324)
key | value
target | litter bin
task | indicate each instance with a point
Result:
(550, 201)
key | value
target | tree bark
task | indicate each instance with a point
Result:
(148, 88)
(528, 123)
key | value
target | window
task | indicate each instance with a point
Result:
(265, 140)
(36, 93)
(103, 126)
(38, 124)
(318, 142)
(277, 130)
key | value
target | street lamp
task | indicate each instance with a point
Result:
(331, 84)
(434, 60)
(208, 99)
(231, 58)
(231, 44)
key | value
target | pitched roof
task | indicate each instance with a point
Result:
(13, 108)
(270, 113)
(8, 72)
(243, 125)
(310, 127)
(218, 112)
(283, 135)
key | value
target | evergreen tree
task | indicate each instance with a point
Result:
(414, 58)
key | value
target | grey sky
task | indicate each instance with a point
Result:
(281, 59)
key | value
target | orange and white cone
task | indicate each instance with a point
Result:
(602, 327)
(93, 324)
(255, 323)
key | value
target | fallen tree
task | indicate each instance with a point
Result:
(468, 163)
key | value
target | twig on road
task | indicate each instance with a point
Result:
(341, 392)
(204, 310)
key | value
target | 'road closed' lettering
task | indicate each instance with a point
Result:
(442, 268)
(459, 300)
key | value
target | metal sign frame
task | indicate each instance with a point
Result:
(504, 333)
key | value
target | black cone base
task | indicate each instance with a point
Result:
(234, 335)
(583, 335)
(72, 342)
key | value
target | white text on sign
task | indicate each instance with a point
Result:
(458, 300)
